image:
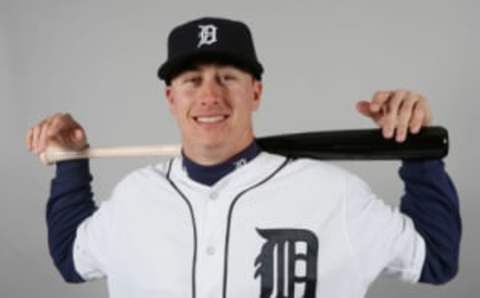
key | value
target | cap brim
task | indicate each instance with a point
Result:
(175, 66)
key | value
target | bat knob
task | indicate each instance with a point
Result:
(44, 159)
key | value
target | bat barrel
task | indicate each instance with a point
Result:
(361, 144)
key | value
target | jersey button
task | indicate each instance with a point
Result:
(213, 195)
(210, 250)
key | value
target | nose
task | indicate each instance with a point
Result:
(211, 92)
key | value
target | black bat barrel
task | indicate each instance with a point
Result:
(360, 144)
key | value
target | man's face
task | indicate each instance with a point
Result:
(213, 105)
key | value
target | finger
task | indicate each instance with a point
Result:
(43, 139)
(36, 135)
(363, 107)
(59, 123)
(75, 138)
(404, 116)
(79, 135)
(29, 139)
(428, 112)
(64, 128)
(378, 100)
(391, 118)
(419, 117)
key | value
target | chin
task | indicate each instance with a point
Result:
(207, 141)
(213, 143)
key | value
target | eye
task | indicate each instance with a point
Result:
(228, 77)
(193, 79)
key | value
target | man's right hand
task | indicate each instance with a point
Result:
(59, 130)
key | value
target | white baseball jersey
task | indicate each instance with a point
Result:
(271, 228)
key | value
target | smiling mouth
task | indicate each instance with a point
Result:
(210, 119)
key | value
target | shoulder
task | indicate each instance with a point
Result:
(356, 192)
(318, 168)
(145, 176)
(322, 171)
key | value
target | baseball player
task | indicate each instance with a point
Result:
(226, 219)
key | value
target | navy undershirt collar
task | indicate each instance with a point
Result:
(210, 174)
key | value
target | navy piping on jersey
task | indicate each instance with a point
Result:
(190, 208)
(229, 220)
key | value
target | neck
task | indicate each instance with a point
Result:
(214, 154)
(209, 175)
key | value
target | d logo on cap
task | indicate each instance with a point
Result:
(208, 35)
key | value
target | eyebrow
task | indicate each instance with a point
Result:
(198, 66)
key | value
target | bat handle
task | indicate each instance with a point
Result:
(55, 154)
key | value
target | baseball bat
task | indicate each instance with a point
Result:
(358, 144)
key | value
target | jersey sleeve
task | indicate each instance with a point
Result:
(384, 240)
(91, 245)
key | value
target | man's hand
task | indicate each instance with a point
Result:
(396, 112)
(59, 130)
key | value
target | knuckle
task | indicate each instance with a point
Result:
(415, 97)
(56, 120)
(401, 94)
(56, 117)
(380, 96)
(418, 114)
(423, 101)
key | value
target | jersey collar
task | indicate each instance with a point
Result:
(209, 175)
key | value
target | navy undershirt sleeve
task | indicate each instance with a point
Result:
(431, 201)
(70, 202)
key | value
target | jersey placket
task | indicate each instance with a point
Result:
(211, 244)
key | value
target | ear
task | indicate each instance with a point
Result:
(257, 94)
(169, 95)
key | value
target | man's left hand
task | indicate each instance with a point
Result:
(397, 112)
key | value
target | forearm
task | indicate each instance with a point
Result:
(70, 202)
(432, 202)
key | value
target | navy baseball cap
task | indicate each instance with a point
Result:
(214, 40)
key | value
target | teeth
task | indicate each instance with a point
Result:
(212, 119)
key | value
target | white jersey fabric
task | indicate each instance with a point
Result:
(272, 228)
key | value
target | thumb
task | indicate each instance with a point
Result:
(363, 107)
